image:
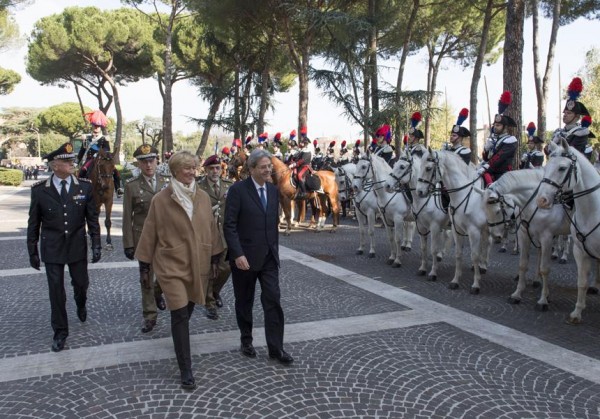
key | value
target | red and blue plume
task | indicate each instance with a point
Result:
(343, 143)
(586, 121)
(384, 131)
(263, 137)
(462, 116)
(248, 139)
(405, 139)
(357, 144)
(292, 134)
(531, 129)
(315, 143)
(277, 136)
(575, 88)
(504, 102)
(332, 144)
(415, 119)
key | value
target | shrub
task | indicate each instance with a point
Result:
(11, 177)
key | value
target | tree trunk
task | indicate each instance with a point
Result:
(372, 58)
(541, 84)
(265, 79)
(485, 36)
(367, 105)
(303, 86)
(237, 121)
(167, 116)
(212, 113)
(513, 63)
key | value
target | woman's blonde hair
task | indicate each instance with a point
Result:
(181, 159)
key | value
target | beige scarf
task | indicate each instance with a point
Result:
(184, 196)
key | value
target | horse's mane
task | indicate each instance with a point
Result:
(522, 179)
(452, 159)
(380, 163)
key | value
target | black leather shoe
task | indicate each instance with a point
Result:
(160, 303)
(148, 326)
(248, 350)
(211, 313)
(82, 313)
(282, 357)
(218, 300)
(187, 380)
(58, 344)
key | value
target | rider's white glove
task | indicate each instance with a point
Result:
(482, 169)
(524, 157)
(488, 144)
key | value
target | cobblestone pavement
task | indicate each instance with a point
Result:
(369, 341)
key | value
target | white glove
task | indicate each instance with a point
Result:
(482, 169)
(524, 157)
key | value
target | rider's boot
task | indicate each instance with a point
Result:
(301, 190)
(117, 182)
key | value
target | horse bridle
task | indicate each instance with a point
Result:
(560, 194)
(348, 190)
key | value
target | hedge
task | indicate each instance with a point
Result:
(11, 177)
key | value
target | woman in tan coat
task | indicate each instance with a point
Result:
(181, 241)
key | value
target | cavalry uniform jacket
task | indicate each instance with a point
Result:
(462, 152)
(217, 201)
(385, 151)
(532, 159)
(90, 141)
(136, 203)
(344, 157)
(63, 226)
(180, 250)
(414, 151)
(500, 155)
(575, 134)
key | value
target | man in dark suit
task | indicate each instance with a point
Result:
(252, 235)
(61, 206)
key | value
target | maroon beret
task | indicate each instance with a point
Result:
(214, 159)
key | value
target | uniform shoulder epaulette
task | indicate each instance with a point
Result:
(227, 181)
(38, 183)
(131, 179)
(84, 179)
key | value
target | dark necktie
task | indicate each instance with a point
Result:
(63, 191)
(216, 188)
(263, 198)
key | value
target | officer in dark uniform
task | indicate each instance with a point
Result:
(139, 192)
(217, 189)
(458, 135)
(301, 162)
(344, 155)
(356, 152)
(277, 146)
(61, 206)
(500, 148)
(573, 132)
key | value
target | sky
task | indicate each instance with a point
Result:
(324, 118)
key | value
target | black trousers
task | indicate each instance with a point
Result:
(244, 286)
(55, 272)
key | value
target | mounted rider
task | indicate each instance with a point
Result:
(415, 136)
(277, 146)
(356, 152)
(573, 132)
(458, 135)
(301, 163)
(500, 148)
(344, 154)
(534, 157)
(92, 144)
(292, 148)
(236, 146)
(382, 146)
(330, 156)
(318, 157)
(263, 141)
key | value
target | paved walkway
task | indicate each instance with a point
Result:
(364, 345)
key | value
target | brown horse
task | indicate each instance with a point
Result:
(103, 188)
(237, 169)
(287, 191)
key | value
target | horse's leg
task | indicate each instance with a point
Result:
(362, 226)
(555, 249)
(423, 246)
(436, 245)
(398, 226)
(458, 243)
(516, 296)
(408, 235)
(335, 209)
(476, 241)
(370, 230)
(108, 224)
(584, 265)
(565, 253)
(390, 234)
(486, 247)
(504, 239)
(593, 289)
(544, 270)
(286, 206)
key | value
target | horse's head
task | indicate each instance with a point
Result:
(363, 166)
(560, 175)
(429, 173)
(401, 173)
(236, 166)
(498, 211)
(344, 184)
(104, 167)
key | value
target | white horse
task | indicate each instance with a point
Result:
(514, 194)
(393, 207)
(429, 217)
(466, 208)
(569, 170)
(365, 203)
